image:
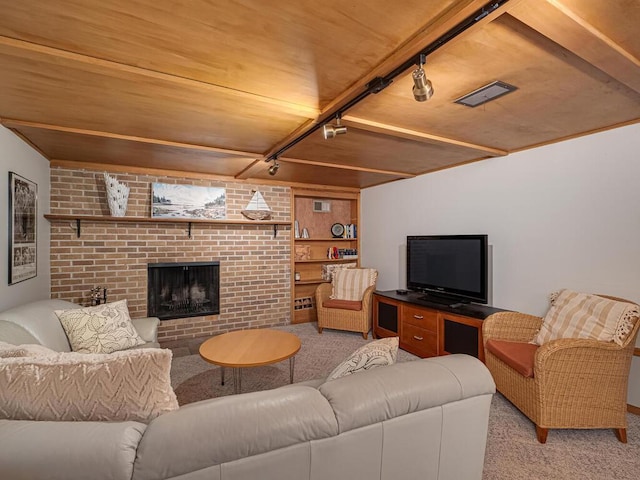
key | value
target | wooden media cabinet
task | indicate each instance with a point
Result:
(429, 329)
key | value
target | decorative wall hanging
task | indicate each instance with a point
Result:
(188, 201)
(117, 196)
(23, 201)
(257, 208)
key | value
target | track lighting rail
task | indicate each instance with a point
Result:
(380, 83)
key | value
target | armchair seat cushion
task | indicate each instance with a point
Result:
(518, 355)
(343, 304)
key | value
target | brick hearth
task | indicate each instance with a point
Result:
(254, 266)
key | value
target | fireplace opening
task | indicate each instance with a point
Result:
(178, 290)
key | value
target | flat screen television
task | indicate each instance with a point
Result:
(448, 268)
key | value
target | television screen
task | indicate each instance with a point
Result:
(453, 266)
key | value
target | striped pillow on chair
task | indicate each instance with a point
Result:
(350, 284)
(580, 315)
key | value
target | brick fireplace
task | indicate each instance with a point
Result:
(254, 266)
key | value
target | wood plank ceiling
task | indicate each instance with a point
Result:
(215, 88)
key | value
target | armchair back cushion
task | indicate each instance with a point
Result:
(581, 315)
(351, 283)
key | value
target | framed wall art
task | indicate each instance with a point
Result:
(23, 201)
(188, 201)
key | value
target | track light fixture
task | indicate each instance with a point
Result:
(273, 169)
(422, 88)
(330, 131)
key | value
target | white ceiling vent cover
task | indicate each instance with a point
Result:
(486, 94)
(323, 206)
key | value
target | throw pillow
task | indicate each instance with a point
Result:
(350, 284)
(329, 269)
(101, 329)
(374, 354)
(69, 386)
(580, 315)
(28, 350)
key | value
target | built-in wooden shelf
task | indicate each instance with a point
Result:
(312, 281)
(326, 260)
(108, 219)
(338, 239)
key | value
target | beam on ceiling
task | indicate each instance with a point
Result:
(558, 23)
(252, 169)
(100, 167)
(30, 143)
(16, 124)
(298, 109)
(346, 167)
(394, 131)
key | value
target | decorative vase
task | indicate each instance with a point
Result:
(117, 196)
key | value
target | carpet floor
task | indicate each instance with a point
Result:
(512, 449)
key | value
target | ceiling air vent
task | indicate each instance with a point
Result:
(485, 94)
(322, 206)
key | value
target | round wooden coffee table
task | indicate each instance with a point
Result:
(250, 348)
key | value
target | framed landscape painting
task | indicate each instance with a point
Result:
(23, 198)
(188, 201)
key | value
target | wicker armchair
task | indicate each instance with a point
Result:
(342, 319)
(577, 383)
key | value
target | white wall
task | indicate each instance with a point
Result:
(16, 156)
(563, 215)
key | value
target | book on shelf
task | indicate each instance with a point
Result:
(335, 253)
(350, 231)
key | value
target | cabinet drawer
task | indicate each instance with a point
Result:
(419, 341)
(420, 317)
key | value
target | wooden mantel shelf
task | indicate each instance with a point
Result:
(109, 219)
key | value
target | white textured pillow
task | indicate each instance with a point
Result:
(27, 350)
(101, 329)
(374, 354)
(350, 284)
(69, 386)
(580, 315)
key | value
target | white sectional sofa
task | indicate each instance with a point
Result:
(425, 419)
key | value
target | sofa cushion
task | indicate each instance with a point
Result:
(350, 284)
(374, 354)
(101, 329)
(68, 450)
(343, 304)
(127, 385)
(231, 428)
(26, 350)
(39, 319)
(518, 355)
(15, 334)
(581, 315)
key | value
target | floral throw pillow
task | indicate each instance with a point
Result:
(101, 329)
(374, 354)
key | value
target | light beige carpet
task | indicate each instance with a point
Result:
(512, 449)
